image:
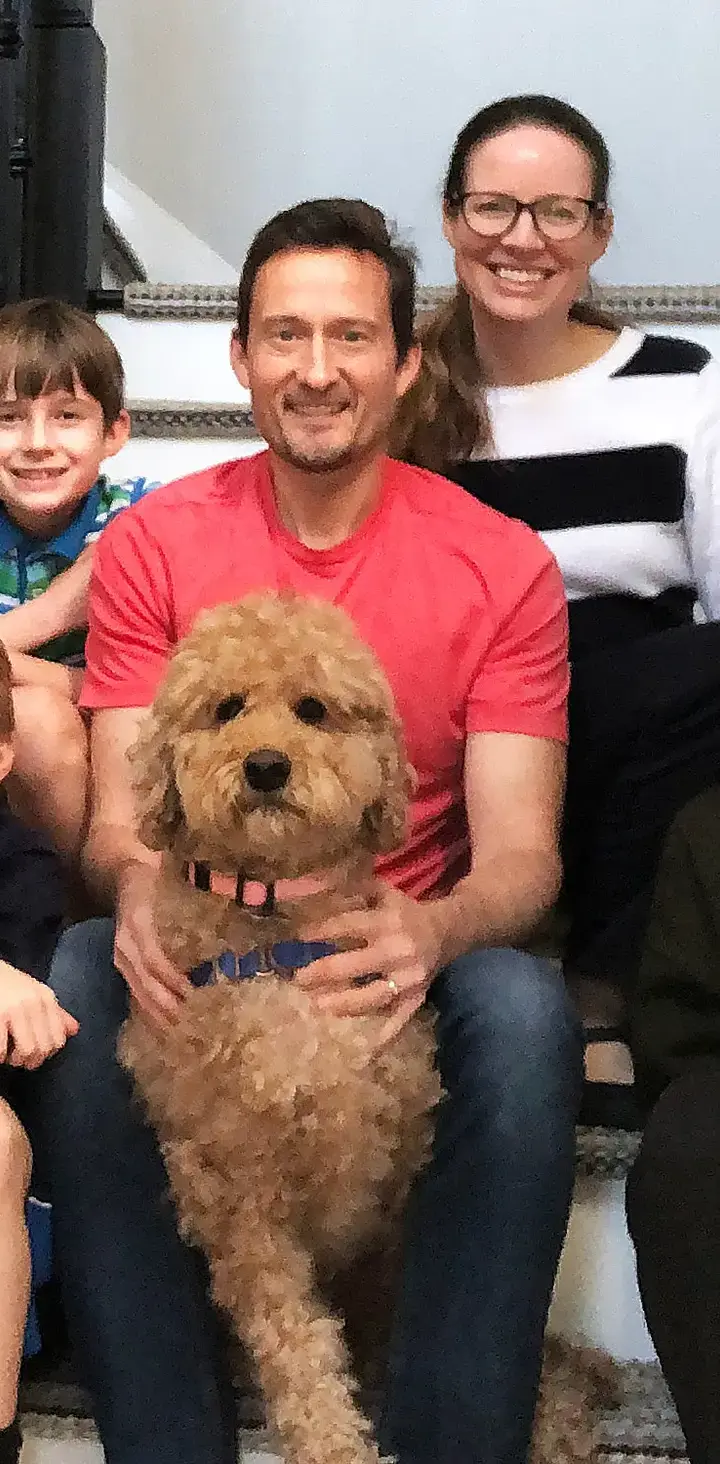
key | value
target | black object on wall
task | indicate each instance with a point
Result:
(52, 143)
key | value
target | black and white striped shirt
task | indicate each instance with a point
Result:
(617, 466)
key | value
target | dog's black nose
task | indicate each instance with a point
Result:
(267, 770)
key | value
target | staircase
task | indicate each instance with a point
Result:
(189, 412)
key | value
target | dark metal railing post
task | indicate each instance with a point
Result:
(15, 160)
(52, 140)
(66, 98)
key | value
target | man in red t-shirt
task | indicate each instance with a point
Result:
(466, 611)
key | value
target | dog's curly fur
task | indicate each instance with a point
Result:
(290, 1140)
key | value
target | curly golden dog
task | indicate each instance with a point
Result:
(271, 774)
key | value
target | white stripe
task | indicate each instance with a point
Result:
(608, 559)
(634, 411)
(592, 410)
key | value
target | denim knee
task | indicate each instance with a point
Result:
(83, 1086)
(83, 974)
(509, 1034)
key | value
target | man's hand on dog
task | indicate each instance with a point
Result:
(397, 942)
(155, 984)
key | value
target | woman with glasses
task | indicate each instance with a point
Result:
(606, 441)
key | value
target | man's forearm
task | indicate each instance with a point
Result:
(499, 903)
(112, 854)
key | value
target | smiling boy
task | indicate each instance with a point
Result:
(61, 415)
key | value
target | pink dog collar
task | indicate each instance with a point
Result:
(252, 894)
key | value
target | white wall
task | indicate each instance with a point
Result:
(167, 249)
(226, 110)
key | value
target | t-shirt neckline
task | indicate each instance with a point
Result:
(320, 559)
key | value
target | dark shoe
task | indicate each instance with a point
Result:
(10, 1444)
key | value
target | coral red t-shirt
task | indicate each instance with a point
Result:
(464, 608)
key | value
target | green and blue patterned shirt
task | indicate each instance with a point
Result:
(28, 565)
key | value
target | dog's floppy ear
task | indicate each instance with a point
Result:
(384, 823)
(158, 804)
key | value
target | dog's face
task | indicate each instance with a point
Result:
(273, 745)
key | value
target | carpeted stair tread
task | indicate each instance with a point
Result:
(645, 1426)
(606, 1153)
(646, 1419)
(644, 1423)
(698, 304)
(631, 1456)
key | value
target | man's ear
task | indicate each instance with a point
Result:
(408, 372)
(238, 359)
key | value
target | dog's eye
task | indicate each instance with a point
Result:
(231, 707)
(310, 710)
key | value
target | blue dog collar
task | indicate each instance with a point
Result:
(283, 959)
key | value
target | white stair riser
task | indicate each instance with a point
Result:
(596, 1294)
(188, 361)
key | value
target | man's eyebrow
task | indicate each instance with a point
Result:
(286, 319)
(352, 322)
(342, 322)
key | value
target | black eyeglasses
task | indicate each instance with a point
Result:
(557, 216)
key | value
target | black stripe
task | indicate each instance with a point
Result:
(602, 620)
(626, 485)
(665, 356)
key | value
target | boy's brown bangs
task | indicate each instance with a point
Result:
(47, 346)
(32, 368)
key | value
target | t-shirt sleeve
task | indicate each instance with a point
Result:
(131, 623)
(522, 681)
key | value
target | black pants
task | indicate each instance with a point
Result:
(673, 1208)
(644, 739)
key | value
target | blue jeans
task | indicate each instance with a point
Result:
(485, 1228)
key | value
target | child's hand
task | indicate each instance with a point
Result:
(33, 1025)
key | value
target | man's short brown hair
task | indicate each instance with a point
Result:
(336, 223)
(46, 345)
(7, 716)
